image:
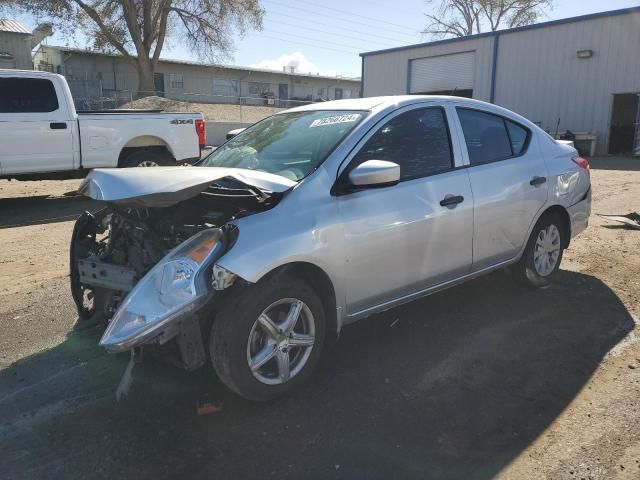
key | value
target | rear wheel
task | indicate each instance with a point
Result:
(267, 339)
(541, 259)
(148, 158)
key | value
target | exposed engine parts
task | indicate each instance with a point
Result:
(112, 249)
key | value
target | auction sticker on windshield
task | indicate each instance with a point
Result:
(321, 122)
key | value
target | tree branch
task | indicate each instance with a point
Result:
(105, 30)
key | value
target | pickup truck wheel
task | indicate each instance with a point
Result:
(267, 338)
(148, 158)
(541, 259)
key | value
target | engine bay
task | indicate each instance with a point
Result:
(113, 248)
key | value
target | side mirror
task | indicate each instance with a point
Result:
(233, 133)
(375, 173)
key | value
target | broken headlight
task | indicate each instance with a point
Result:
(173, 288)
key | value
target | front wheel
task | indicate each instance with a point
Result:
(267, 339)
(541, 259)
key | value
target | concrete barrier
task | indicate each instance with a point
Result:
(217, 131)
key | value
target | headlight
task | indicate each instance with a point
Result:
(173, 288)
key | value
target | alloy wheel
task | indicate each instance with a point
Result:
(148, 163)
(281, 341)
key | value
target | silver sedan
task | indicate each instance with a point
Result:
(348, 208)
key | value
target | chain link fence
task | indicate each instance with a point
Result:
(90, 95)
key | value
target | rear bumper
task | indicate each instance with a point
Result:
(579, 214)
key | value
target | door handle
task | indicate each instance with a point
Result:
(451, 200)
(537, 180)
(58, 125)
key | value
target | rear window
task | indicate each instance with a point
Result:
(486, 136)
(27, 95)
(491, 137)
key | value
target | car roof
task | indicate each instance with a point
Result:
(370, 103)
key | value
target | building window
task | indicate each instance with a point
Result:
(225, 87)
(175, 80)
(258, 88)
(321, 92)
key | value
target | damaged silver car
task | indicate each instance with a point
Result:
(314, 218)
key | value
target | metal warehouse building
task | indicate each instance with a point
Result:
(580, 74)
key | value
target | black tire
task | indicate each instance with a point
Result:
(233, 325)
(525, 271)
(138, 158)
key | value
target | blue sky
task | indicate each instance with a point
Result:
(326, 36)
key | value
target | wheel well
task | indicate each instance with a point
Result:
(319, 281)
(157, 149)
(562, 213)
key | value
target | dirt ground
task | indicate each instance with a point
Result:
(485, 380)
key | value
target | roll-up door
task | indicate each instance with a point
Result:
(442, 73)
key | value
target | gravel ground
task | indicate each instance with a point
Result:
(481, 381)
(213, 112)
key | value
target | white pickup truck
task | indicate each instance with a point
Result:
(42, 135)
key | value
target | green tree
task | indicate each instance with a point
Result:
(460, 18)
(138, 29)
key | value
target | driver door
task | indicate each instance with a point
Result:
(399, 239)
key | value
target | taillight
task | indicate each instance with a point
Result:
(202, 132)
(581, 162)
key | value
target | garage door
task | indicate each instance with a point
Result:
(442, 73)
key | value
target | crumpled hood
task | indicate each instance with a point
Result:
(166, 186)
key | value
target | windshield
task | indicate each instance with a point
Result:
(291, 145)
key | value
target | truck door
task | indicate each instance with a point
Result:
(35, 129)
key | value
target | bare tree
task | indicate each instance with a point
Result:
(460, 18)
(138, 29)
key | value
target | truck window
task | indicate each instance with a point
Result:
(27, 95)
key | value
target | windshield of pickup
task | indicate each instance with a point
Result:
(291, 145)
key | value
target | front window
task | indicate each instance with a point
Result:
(291, 145)
(417, 140)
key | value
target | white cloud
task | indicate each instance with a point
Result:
(297, 60)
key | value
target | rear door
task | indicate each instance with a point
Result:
(508, 178)
(401, 239)
(35, 129)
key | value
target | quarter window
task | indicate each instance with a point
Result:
(491, 137)
(418, 141)
(518, 136)
(27, 95)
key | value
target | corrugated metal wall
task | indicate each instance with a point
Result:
(18, 45)
(538, 73)
(386, 74)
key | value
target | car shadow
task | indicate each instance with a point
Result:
(455, 385)
(42, 209)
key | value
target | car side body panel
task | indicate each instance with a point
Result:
(307, 226)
